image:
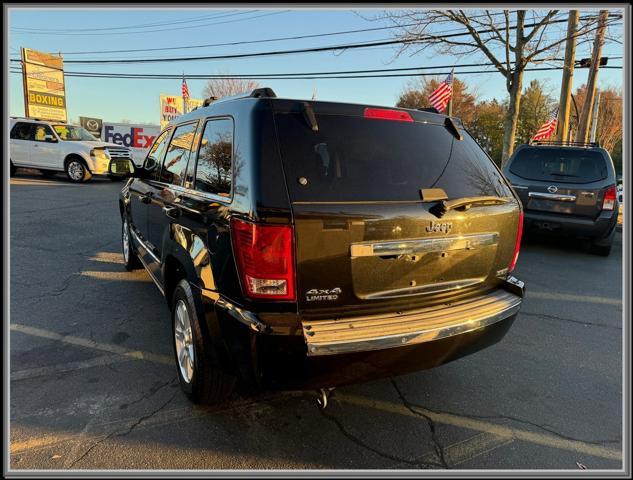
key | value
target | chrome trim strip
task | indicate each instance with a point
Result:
(144, 245)
(331, 337)
(552, 196)
(243, 316)
(147, 269)
(426, 245)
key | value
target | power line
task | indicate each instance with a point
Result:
(283, 52)
(311, 77)
(159, 30)
(145, 25)
(245, 42)
(288, 74)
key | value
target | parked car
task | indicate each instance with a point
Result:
(53, 147)
(314, 244)
(568, 189)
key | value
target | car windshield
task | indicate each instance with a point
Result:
(564, 165)
(72, 132)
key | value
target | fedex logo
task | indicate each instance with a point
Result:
(134, 139)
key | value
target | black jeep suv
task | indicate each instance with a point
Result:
(567, 189)
(313, 244)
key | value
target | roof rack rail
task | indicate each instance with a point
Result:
(564, 144)
(264, 92)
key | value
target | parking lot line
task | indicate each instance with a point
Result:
(543, 439)
(566, 297)
(68, 367)
(84, 342)
(503, 432)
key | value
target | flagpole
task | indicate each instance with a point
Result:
(450, 100)
(184, 101)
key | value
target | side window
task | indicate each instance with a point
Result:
(177, 155)
(40, 131)
(22, 131)
(215, 158)
(155, 154)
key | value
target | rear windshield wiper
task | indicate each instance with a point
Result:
(465, 203)
(562, 174)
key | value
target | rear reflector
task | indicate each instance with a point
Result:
(609, 198)
(517, 246)
(388, 114)
(265, 259)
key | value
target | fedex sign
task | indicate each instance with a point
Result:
(138, 138)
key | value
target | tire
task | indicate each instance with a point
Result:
(77, 171)
(48, 173)
(130, 259)
(602, 247)
(200, 379)
(12, 168)
(601, 250)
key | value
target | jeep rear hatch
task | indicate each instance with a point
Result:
(366, 239)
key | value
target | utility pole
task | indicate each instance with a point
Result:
(592, 82)
(564, 105)
(594, 120)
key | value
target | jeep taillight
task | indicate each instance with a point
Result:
(517, 245)
(609, 198)
(265, 259)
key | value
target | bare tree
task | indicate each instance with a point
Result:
(227, 86)
(509, 40)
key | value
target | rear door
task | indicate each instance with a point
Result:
(21, 140)
(163, 208)
(365, 240)
(560, 180)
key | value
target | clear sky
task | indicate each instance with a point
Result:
(138, 100)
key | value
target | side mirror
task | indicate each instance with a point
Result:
(122, 167)
(49, 138)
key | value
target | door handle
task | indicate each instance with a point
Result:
(172, 212)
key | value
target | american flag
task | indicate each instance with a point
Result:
(185, 89)
(442, 94)
(548, 128)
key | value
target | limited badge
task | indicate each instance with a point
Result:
(323, 294)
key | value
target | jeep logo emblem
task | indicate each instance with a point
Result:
(439, 227)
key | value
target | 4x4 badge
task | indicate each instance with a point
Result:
(323, 294)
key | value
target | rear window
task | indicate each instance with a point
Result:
(354, 158)
(561, 165)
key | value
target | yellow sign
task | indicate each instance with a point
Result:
(171, 106)
(44, 90)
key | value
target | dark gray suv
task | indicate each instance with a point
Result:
(567, 188)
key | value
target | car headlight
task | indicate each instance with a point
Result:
(99, 154)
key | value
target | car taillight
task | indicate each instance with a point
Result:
(265, 259)
(517, 246)
(609, 198)
(388, 114)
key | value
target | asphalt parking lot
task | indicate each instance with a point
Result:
(94, 386)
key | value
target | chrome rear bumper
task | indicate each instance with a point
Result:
(377, 332)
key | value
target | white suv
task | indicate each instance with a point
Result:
(53, 147)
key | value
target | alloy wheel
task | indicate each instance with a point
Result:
(184, 341)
